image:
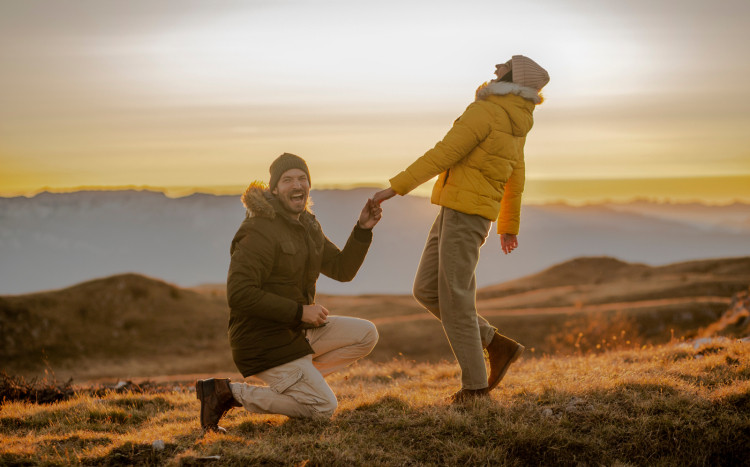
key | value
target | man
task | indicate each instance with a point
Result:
(481, 166)
(276, 330)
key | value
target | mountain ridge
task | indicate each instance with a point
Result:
(55, 240)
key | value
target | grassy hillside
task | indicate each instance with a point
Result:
(127, 323)
(677, 404)
(127, 326)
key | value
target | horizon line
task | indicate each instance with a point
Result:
(239, 188)
(571, 199)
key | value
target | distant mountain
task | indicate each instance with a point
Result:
(56, 240)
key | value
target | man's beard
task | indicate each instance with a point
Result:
(295, 205)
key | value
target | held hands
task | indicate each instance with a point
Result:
(508, 242)
(370, 215)
(372, 211)
(383, 195)
(314, 314)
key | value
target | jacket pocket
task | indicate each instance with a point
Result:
(288, 247)
(289, 264)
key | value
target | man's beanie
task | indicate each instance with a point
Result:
(528, 73)
(286, 162)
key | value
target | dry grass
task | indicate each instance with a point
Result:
(667, 405)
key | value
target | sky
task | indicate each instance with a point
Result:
(188, 94)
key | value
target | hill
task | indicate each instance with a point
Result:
(606, 280)
(116, 325)
(131, 325)
(577, 306)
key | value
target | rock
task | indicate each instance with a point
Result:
(158, 445)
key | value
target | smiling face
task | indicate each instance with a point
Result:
(293, 190)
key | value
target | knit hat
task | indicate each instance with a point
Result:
(528, 73)
(286, 162)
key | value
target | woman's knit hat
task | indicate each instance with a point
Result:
(286, 162)
(526, 72)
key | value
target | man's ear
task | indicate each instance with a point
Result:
(275, 191)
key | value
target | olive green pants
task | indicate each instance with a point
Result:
(445, 285)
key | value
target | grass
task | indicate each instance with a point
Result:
(666, 405)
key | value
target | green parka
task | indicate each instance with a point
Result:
(276, 261)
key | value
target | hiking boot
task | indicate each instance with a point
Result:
(216, 399)
(501, 352)
(468, 395)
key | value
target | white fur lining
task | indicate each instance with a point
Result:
(502, 88)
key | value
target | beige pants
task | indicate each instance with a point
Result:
(446, 285)
(298, 388)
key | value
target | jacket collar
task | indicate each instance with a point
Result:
(502, 88)
(260, 202)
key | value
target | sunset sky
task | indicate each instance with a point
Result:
(197, 94)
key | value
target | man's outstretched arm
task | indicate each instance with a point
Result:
(342, 265)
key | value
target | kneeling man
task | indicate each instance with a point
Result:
(276, 330)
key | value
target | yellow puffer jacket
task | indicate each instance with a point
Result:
(480, 160)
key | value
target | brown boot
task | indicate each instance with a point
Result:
(216, 399)
(502, 352)
(467, 395)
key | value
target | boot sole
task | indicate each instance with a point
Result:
(515, 357)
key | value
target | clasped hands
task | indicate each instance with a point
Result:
(370, 215)
(372, 212)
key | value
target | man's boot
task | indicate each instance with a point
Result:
(216, 399)
(501, 352)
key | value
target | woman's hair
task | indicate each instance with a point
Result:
(507, 77)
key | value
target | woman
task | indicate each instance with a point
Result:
(481, 166)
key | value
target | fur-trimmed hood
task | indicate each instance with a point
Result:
(501, 88)
(260, 202)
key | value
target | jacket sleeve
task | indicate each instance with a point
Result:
(471, 128)
(251, 264)
(342, 265)
(509, 218)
